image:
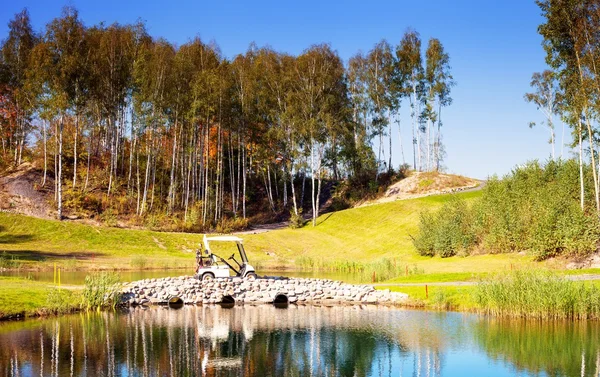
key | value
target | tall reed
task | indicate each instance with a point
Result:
(101, 290)
(537, 294)
(379, 270)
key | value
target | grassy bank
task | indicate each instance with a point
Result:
(25, 298)
(366, 237)
(21, 298)
(537, 294)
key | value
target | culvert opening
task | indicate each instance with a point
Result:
(281, 300)
(175, 302)
(227, 302)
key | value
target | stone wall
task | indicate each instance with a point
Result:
(254, 291)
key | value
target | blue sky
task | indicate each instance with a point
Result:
(493, 45)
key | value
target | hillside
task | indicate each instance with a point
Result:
(420, 184)
(361, 235)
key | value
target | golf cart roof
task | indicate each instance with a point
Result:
(223, 238)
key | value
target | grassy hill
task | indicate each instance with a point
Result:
(341, 240)
(367, 235)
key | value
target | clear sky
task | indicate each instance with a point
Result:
(494, 48)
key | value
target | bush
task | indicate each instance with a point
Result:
(232, 225)
(297, 220)
(139, 262)
(11, 263)
(83, 203)
(446, 231)
(535, 208)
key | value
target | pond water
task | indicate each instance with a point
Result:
(297, 341)
(78, 277)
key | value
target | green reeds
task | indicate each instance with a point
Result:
(101, 290)
(379, 270)
(537, 294)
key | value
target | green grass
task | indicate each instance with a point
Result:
(38, 244)
(437, 297)
(371, 237)
(438, 277)
(366, 235)
(24, 298)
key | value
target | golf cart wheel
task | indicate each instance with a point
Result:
(208, 276)
(251, 275)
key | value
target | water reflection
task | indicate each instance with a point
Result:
(298, 341)
(560, 348)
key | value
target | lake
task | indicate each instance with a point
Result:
(296, 341)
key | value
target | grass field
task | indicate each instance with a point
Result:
(376, 236)
(21, 297)
(341, 241)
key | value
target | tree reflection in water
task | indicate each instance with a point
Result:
(298, 341)
(556, 348)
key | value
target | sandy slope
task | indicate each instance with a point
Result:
(20, 192)
(419, 184)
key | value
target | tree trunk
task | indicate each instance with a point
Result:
(171, 194)
(562, 141)
(147, 176)
(269, 188)
(244, 178)
(87, 170)
(400, 140)
(110, 137)
(75, 152)
(45, 153)
(390, 129)
(293, 189)
(59, 184)
(581, 186)
(303, 186)
(594, 172)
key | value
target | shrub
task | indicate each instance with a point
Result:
(139, 261)
(297, 220)
(231, 225)
(12, 262)
(535, 207)
(446, 231)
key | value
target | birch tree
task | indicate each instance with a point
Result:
(410, 72)
(546, 98)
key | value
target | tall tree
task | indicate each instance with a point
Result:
(66, 44)
(15, 62)
(411, 75)
(438, 82)
(546, 97)
(319, 77)
(380, 78)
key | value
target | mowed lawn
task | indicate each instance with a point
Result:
(361, 235)
(367, 234)
(37, 243)
(21, 297)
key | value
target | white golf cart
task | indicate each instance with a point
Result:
(210, 265)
